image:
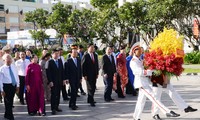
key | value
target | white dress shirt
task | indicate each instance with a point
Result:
(5, 77)
(75, 61)
(21, 66)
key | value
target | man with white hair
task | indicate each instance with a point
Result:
(142, 82)
(9, 84)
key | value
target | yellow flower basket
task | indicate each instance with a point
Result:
(169, 41)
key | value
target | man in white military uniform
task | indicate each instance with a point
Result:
(142, 82)
(177, 99)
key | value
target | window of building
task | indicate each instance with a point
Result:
(2, 19)
(14, 28)
(29, 0)
(2, 29)
(1, 7)
(27, 9)
(13, 9)
(14, 20)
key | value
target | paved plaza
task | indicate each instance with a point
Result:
(120, 109)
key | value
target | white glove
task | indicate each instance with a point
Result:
(149, 72)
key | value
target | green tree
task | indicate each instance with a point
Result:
(133, 15)
(106, 24)
(39, 19)
(39, 35)
(81, 22)
(58, 19)
(102, 4)
(177, 14)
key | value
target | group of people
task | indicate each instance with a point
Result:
(43, 80)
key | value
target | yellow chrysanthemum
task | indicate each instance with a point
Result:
(169, 41)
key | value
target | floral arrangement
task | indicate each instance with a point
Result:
(166, 54)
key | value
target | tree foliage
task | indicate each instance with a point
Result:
(81, 22)
(39, 19)
(112, 24)
(102, 4)
(58, 19)
(39, 35)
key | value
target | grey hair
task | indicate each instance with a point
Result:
(5, 56)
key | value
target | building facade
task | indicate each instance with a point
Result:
(12, 13)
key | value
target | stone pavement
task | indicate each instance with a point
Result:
(120, 109)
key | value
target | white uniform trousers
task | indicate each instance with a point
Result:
(147, 92)
(177, 99)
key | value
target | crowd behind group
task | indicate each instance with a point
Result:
(41, 80)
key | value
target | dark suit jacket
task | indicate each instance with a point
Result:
(89, 68)
(108, 67)
(72, 72)
(55, 74)
(80, 54)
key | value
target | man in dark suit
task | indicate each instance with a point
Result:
(55, 75)
(73, 75)
(80, 55)
(63, 89)
(108, 70)
(90, 68)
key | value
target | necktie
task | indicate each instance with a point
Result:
(80, 55)
(24, 65)
(12, 76)
(57, 63)
(110, 58)
(75, 61)
(92, 56)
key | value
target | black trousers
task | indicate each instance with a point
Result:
(55, 96)
(119, 89)
(64, 92)
(81, 88)
(74, 90)
(1, 97)
(9, 90)
(108, 82)
(91, 87)
(21, 88)
(129, 88)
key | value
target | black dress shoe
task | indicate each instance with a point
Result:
(74, 107)
(190, 109)
(58, 110)
(22, 103)
(78, 95)
(121, 96)
(112, 99)
(66, 99)
(32, 113)
(92, 104)
(53, 112)
(107, 100)
(9, 118)
(156, 117)
(83, 93)
(172, 114)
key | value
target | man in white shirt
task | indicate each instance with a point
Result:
(21, 65)
(9, 84)
(142, 82)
